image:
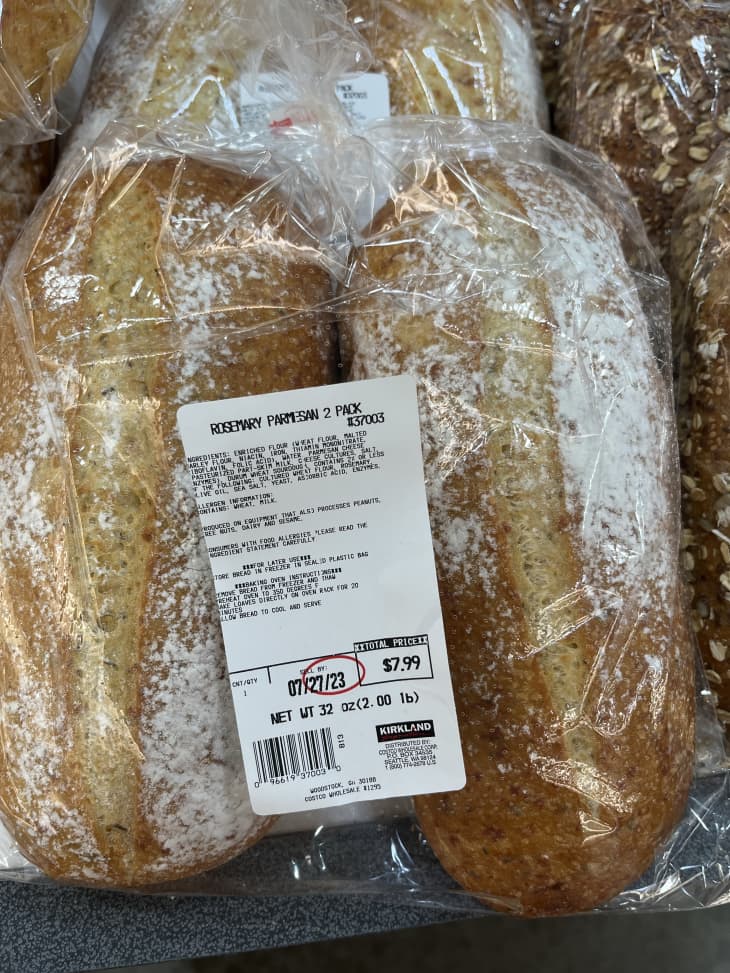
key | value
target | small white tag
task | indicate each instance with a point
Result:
(365, 97)
(313, 506)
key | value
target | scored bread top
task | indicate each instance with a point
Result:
(454, 57)
(551, 472)
(140, 288)
(701, 265)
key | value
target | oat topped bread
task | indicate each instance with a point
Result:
(138, 286)
(701, 272)
(550, 459)
(455, 57)
(39, 44)
(646, 85)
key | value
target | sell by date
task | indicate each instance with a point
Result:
(317, 682)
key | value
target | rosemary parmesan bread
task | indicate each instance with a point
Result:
(701, 273)
(459, 57)
(549, 451)
(25, 171)
(136, 288)
(39, 43)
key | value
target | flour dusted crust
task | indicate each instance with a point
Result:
(163, 59)
(142, 288)
(457, 57)
(548, 448)
(645, 84)
(40, 42)
(701, 269)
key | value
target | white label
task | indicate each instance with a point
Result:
(313, 506)
(365, 97)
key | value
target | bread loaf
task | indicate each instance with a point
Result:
(137, 288)
(456, 57)
(25, 171)
(646, 85)
(549, 455)
(701, 271)
(199, 62)
(40, 42)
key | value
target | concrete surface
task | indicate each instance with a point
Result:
(670, 943)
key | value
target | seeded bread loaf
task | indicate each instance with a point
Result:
(549, 454)
(701, 271)
(646, 85)
(40, 42)
(135, 289)
(457, 57)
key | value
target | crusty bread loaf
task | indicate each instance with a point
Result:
(25, 171)
(162, 59)
(140, 288)
(40, 43)
(549, 454)
(454, 57)
(644, 84)
(701, 274)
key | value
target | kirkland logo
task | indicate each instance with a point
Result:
(405, 731)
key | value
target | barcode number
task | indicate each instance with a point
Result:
(295, 753)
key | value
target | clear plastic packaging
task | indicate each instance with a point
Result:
(645, 86)
(146, 278)
(233, 67)
(40, 43)
(701, 264)
(455, 58)
(511, 275)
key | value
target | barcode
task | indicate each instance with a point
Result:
(294, 753)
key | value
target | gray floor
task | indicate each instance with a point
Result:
(669, 943)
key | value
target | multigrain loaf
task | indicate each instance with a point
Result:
(646, 85)
(457, 57)
(701, 272)
(137, 288)
(40, 42)
(549, 454)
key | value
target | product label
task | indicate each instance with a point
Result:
(313, 506)
(365, 97)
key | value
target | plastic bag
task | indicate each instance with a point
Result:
(233, 67)
(701, 262)
(513, 220)
(40, 43)
(455, 58)
(646, 88)
(545, 425)
(150, 276)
